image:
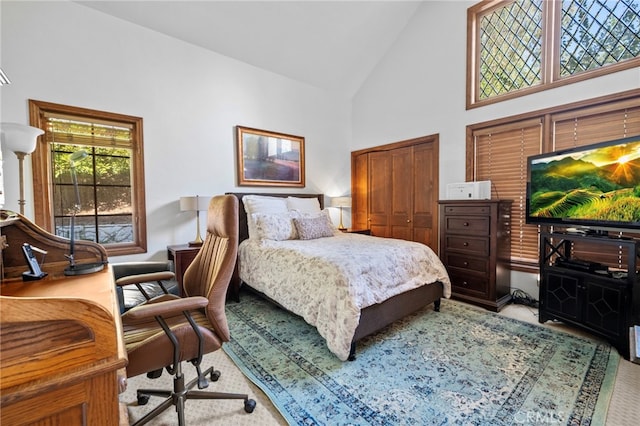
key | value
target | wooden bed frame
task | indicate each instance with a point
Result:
(372, 318)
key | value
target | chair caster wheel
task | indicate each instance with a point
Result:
(143, 399)
(215, 375)
(154, 374)
(249, 405)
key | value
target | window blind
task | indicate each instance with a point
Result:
(591, 125)
(61, 129)
(501, 156)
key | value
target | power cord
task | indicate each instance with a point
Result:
(520, 297)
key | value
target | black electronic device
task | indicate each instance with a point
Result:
(593, 188)
(35, 273)
(581, 265)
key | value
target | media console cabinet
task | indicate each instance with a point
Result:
(601, 299)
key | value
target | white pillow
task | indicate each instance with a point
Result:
(275, 226)
(304, 205)
(261, 204)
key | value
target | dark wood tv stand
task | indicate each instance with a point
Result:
(604, 301)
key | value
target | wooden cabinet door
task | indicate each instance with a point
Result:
(424, 218)
(379, 193)
(401, 193)
(360, 192)
(395, 190)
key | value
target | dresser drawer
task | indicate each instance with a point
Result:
(476, 225)
(467, 263)
(463, 244)
(469, 284)
(482, 209)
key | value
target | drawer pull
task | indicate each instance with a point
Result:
(465, 224)
(466, 244)
(466, 263)
(465, 283)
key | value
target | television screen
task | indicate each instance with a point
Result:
(594, 185)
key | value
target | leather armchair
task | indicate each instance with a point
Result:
(166, 330)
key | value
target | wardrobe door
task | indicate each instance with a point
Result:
(379, 193)
(401, 225)
(395, 190)
(425, 195)
(360, 192)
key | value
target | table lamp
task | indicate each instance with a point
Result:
(20, 139)
(341, 202)
(195, 203)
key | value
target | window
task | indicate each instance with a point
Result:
(105, 152)
(521, 46)
(498, 151)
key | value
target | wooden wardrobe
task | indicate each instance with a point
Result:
(394, 190)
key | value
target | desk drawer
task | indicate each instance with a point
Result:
(467, 263)
(475, 225)
(478, 246)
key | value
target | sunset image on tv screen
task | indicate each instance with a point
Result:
(594, 184)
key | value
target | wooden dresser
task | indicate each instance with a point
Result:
(475, 247)
(62, 357)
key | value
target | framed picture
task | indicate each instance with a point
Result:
(269, 159)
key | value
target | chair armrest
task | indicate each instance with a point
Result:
(143, 278)
(121, 269)
(166, 308)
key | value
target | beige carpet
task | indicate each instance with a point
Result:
(624, 408)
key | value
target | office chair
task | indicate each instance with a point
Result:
(165, 330)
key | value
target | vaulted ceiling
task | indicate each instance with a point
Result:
(332, 45)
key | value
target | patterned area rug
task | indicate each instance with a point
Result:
(460, 366)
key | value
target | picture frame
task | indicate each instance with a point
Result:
(267, 158)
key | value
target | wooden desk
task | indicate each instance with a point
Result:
(182, 255)
(62, 357)
(62, 348)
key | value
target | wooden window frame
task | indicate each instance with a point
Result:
(550, 55)
(43, 186)
(548, 118)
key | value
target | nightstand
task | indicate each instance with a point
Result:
(182, 255)
(358, 231)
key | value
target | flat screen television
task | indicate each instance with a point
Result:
(592, 188)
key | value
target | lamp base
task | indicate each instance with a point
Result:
(342, 228)
(84, 268)
(195, 243)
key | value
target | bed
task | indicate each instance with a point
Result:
(344, 293)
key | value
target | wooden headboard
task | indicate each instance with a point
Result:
(242, 219)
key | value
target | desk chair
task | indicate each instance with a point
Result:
(166, 330)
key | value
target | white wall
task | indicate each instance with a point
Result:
(419, 89)
(190, 100)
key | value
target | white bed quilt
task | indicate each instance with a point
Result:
(327, 281)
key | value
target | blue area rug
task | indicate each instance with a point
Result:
(460, 366)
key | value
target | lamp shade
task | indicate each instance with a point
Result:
(19, 137)
(341, 202)
(194, 203)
